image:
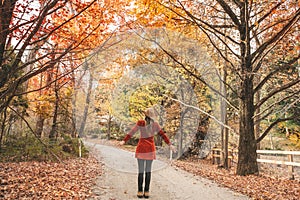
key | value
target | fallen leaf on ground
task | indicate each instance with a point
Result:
(48, 180)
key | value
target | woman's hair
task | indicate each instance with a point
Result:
(149, 122)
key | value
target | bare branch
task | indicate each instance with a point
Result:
(255, 55)
(202, 111)
(277, 90)
(238, 3)
(265, 133)
(278, 69)
(229, 11)
(206, 27)
(270, 109)
(267, 14)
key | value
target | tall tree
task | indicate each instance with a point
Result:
(44, 33)
(86, 104)
(92, 28)
(274, 24)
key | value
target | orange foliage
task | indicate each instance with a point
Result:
(93, 23)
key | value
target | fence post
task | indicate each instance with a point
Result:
(291, 168)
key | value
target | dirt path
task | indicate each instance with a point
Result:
(119, 180)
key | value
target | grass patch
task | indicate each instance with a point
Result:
(29, 148)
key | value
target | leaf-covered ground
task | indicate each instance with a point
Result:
(259, 187)
(74, 179)
(48, 180)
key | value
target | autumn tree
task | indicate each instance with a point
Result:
(49, 39)
(25, 29)
(94, 27)
(256, 35)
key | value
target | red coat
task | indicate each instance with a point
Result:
(146, 147)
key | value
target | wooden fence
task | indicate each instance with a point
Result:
(289, 162)
(288, 158)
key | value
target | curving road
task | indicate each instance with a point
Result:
(119, 180)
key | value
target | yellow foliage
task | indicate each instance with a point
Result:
(294, 138)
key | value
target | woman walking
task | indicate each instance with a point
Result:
(145, 150)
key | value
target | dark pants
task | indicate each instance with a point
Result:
(144, 168)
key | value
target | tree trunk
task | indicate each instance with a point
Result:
(6, 11)
(160, 121)
(86, 106)
(109, 126)
(223, 90)
(247, 162)
(39, 125)
(74, 99)
(53, 132)
(257, 119)
(224, 130)
(180, 139)
(3, 118)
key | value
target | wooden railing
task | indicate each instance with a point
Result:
(290, 155)
(232, 156)
(290, 163)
